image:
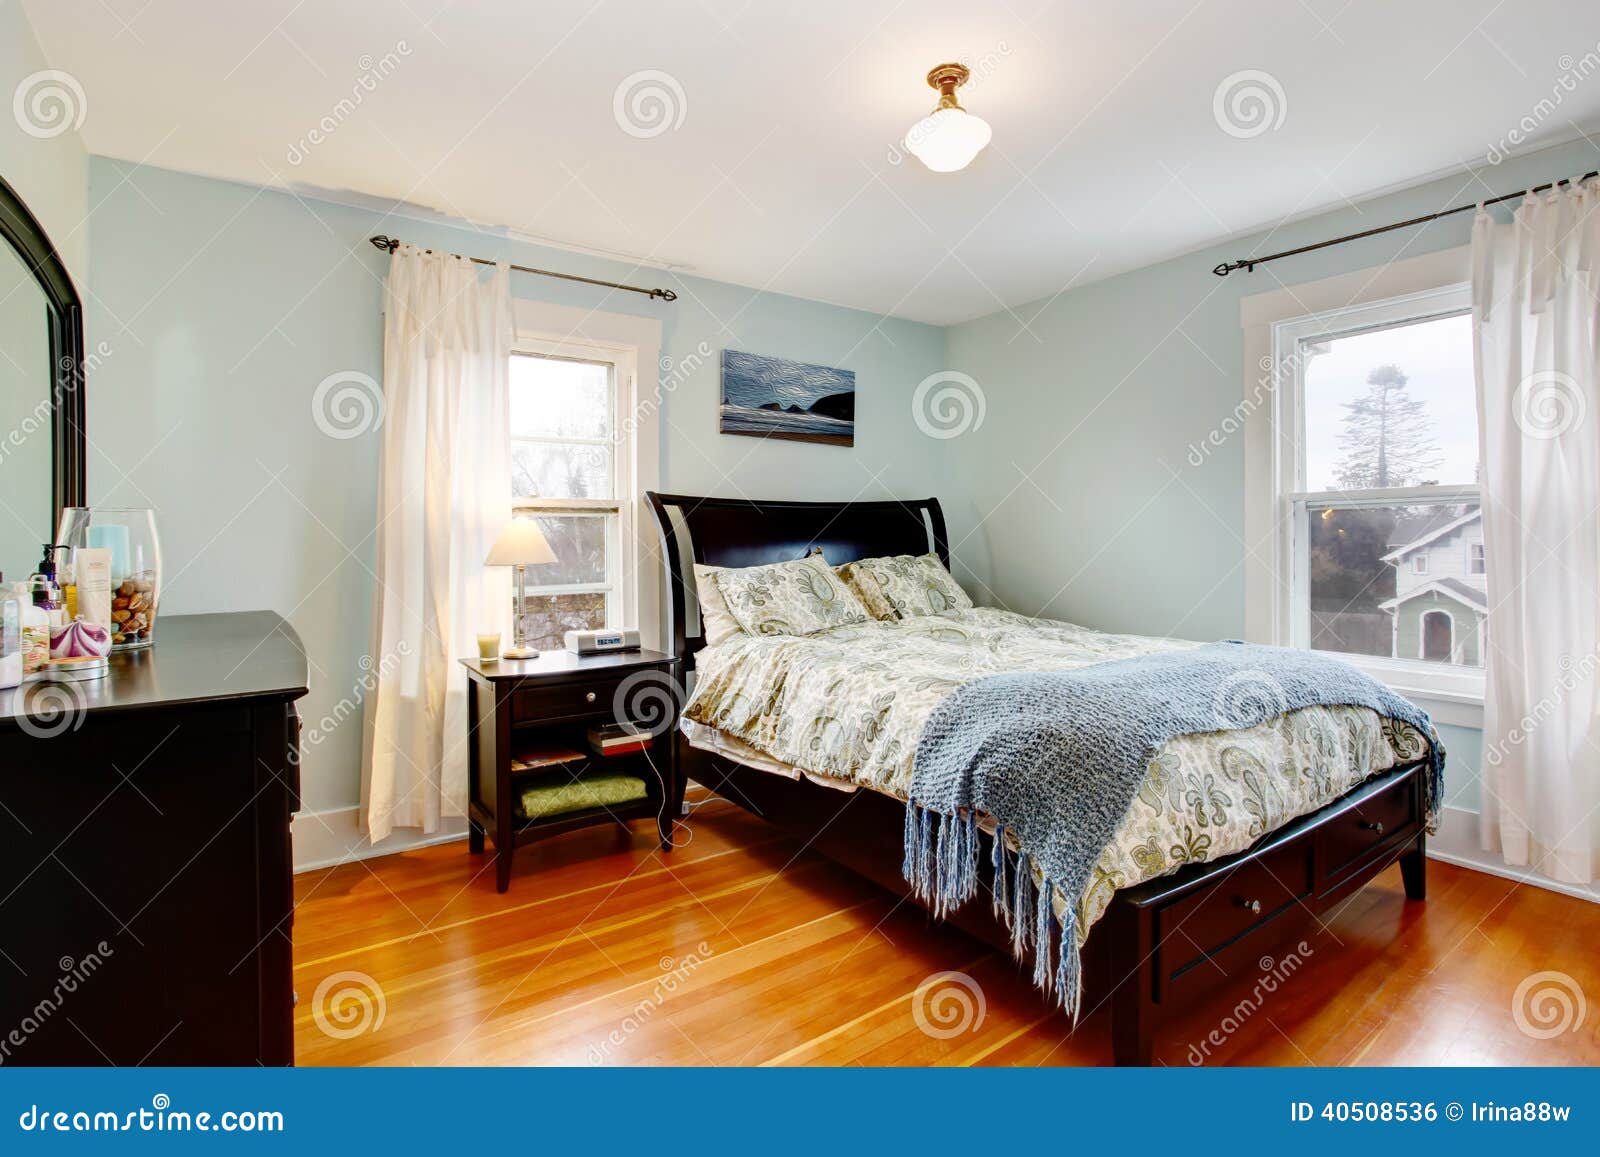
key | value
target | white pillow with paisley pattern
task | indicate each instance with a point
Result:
(790, 598)
(717, 623)
(903, 586)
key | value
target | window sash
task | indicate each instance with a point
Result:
(1293, 615)
(615, 513)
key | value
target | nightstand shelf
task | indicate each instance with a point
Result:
(525, 705)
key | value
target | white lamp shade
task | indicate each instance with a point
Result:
(520, 542)
(948, 138)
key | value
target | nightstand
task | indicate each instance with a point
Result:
(527, 715)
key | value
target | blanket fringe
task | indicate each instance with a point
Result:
(941, 864)
(999, 894)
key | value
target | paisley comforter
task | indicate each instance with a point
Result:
(848, 704)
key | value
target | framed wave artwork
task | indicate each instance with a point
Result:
(776, 398)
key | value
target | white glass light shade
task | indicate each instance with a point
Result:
(947, 139)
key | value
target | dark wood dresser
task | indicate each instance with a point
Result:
(145, 892)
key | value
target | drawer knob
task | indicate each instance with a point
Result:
(1251, 906)
(1376, 827)
(589, 698)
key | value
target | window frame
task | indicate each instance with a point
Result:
(627, 344)
(621, 593)
(1277, 588)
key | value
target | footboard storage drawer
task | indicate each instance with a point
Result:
(1198, 930)
(1373, 827)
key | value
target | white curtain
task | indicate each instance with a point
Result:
(444, 491)
(1536, 317)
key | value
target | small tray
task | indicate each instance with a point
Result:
(76, 669)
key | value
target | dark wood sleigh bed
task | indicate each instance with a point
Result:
(1162, 946)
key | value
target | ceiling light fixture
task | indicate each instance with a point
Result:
(949, 137)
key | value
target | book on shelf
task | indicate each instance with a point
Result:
(618, 739)
(538, 758)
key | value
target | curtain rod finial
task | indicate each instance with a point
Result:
(387, 244)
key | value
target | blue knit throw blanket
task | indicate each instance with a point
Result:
(1056, 758)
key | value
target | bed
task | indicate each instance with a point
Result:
(1220, 862)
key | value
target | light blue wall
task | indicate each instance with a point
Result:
(1100, 398)
(223, 306)
(51, 172)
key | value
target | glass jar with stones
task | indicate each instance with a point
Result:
(129, 534)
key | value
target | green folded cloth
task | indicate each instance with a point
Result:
(549, 799)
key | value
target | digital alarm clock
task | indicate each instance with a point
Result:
(599, 642)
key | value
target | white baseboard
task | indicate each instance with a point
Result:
(1457, 843)
(334, 836)
(325, 838)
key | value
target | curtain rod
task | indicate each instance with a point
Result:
(390, 244)
(1249, 264)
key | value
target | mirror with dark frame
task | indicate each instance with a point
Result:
(41, 388)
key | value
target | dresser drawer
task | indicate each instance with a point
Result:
(590, 697)
(1377, 822)
(1203, 924)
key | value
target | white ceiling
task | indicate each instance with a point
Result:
(1107, 154)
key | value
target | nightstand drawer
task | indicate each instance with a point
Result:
(565, 700)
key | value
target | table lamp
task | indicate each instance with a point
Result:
(521, 544)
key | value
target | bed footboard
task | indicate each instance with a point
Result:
(1163, 946)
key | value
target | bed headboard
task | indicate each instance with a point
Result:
(742, 532)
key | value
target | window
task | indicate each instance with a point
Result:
(585, 446)
(569, 470)
(1376, 417)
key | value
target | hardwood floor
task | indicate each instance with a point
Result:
(742, 948)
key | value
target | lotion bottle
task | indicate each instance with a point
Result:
(10, 637)
(35, 632)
